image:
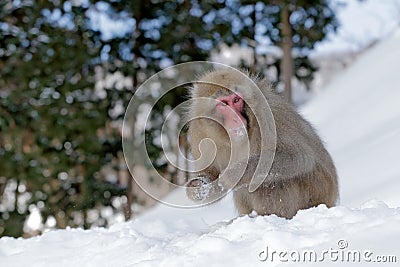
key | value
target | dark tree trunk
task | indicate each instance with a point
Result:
(287, 60)
(130, 198)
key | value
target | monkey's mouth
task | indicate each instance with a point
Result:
(246, 118)
(238, 132)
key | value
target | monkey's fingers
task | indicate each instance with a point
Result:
(198, 188)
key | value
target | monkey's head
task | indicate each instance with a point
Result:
(223, 97)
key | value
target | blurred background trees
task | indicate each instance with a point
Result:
(68, 69)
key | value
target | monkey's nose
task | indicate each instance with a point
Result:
(234, 100)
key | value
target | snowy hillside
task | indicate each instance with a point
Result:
(358, 116)
(191, 242)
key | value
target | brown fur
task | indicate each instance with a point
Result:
(302, 174)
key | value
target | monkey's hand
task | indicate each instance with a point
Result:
(198, 188)
(202, 188)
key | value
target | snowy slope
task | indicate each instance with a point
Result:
(189, 242)
(358, 116)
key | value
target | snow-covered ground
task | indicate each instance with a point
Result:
(358, 116)
(323, 233)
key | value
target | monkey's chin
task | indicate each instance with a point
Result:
(238, 134)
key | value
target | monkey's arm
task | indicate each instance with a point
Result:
(287, 163)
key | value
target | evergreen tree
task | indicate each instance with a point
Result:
(53, 127)
(60, 127)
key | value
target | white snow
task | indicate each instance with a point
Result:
(192, 242)
(361, 23)
(358, 115)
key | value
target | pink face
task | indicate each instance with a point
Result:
(231, 107)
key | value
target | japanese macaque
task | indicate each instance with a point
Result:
(301, 174)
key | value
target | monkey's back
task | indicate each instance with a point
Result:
(303, 174)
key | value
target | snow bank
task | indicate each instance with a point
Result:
(367, 233)
(358, 116)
